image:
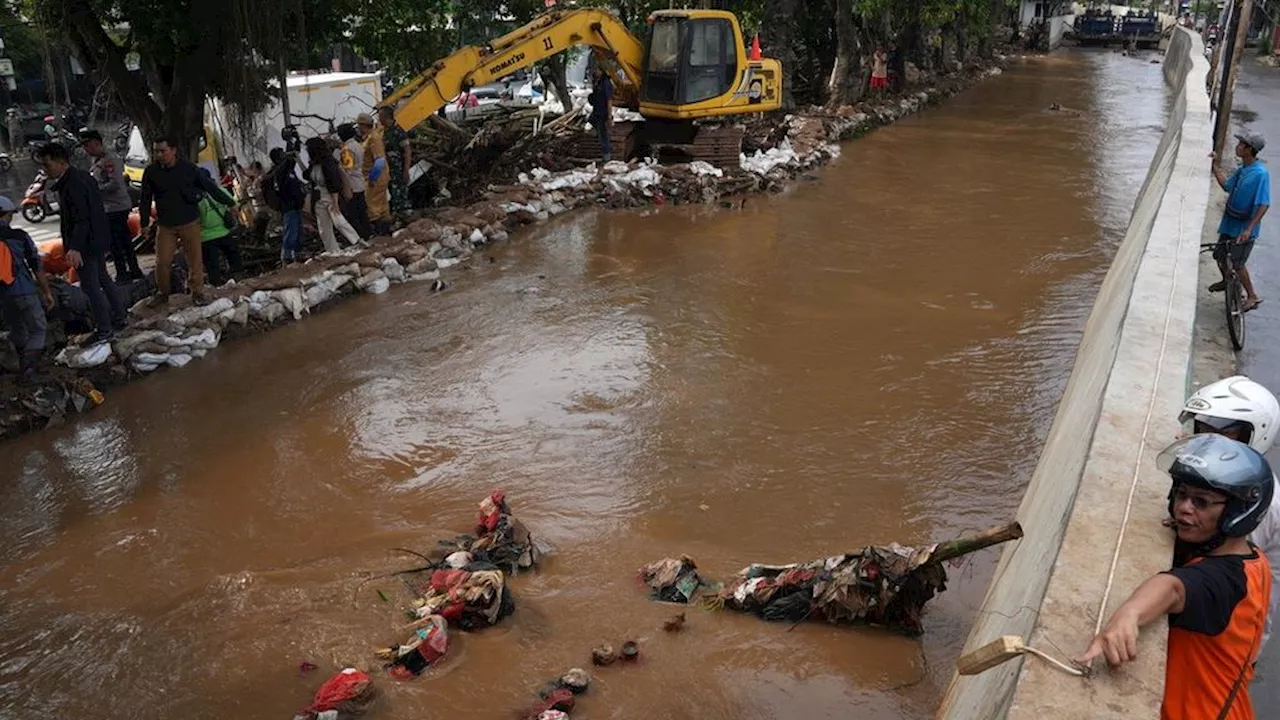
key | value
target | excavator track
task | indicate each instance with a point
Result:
(718, 145)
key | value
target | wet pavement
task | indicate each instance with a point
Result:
(1257, 108)
(871, 357)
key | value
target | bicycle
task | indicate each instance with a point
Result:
(1233, 290)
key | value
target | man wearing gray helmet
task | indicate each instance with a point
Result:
(1248, 198)
(1216, 601)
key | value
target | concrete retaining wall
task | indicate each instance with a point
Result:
(1093, 507)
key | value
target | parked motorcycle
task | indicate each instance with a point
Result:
(6, 162)
(36, 204)
(68, 139)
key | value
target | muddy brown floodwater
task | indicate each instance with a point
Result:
(873, 356)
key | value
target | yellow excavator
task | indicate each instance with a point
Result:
(695, 68)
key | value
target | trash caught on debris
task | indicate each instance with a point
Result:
(558, 696)
(429, 643)
(878, 585)
(345, 694)
(462, 586)
(672, 579)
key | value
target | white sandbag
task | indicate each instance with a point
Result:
(92, 356)
(446, 262)
(241, 316)
(393, 270)
(701, 167)
(125, 346)
(205, 340)
(147, 358)
(196, 313)
(427, 275)
(292, 300)
(379, 286)
(364, 281)
(477, 237)
(317, 294)
(317, 279)
(144, 367)
(338, 281)
(179, 360)
(273, 311)
(418, 267)
(172, 341)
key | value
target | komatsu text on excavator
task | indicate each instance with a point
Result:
(694, 69)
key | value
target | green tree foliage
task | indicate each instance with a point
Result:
(233, 49)
(189, 50)
(21, 43)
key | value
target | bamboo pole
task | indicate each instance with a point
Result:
(972, 543)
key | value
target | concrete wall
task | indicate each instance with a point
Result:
(1095, 500)
(1057, 28)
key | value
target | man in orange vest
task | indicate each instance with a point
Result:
(22, 287)
(1215, 602)
(54, 259)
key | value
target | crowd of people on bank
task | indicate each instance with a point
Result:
(352, 183)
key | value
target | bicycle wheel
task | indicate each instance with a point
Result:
(1235, 316)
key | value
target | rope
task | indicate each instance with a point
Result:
(1055, 663)
(1146, 423)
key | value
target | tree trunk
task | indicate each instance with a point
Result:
(845, 83)
(778, 36)
(86, 34)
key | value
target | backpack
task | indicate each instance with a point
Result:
(270, 192)
(333, 177)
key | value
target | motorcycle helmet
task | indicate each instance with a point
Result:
(1235, 401)
(1218, 463)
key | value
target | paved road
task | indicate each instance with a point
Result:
(47, 230)
(1258, 109)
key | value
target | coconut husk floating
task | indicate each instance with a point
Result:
(880, 585)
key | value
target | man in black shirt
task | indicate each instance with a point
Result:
(86, 238)
(177, 186)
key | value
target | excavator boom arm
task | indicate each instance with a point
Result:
(548, 34)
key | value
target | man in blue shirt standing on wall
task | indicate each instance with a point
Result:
(602, 110)
(1248, 198)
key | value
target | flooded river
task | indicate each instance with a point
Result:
(872, 356)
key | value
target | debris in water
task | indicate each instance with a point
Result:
(383, 596)
(306, 666)
(675, 623)
(576, 681)
(429, 643)
(560, 699)
(346, 694)
(603, 655)
(672, 579)
(630, 650)
(880, 585)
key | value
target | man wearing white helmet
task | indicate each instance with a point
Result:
(1244, 410)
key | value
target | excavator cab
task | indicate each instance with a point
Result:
(696, 66)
